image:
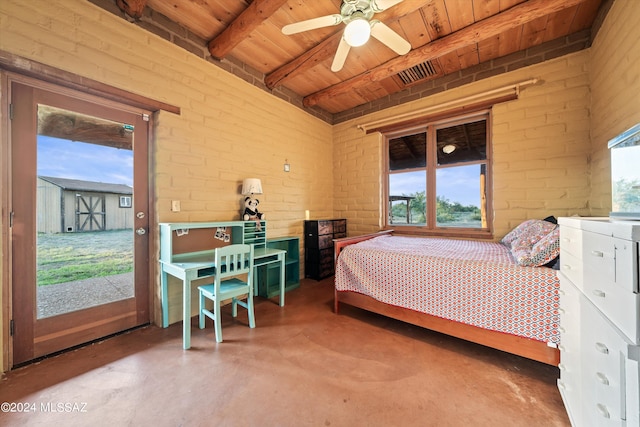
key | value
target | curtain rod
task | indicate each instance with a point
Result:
(417, 113)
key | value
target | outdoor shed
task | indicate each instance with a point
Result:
(72, 205)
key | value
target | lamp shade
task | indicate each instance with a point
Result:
(251, 186)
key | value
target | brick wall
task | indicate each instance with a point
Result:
(615, 87)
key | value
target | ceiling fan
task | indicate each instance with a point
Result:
(356, 14)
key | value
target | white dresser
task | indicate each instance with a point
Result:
(599, 321)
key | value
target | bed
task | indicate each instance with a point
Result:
(498, 294)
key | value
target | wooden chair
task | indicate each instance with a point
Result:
(231, 261)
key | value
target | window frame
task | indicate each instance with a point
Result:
(123, 201)
(430, 127)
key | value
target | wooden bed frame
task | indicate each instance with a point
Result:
(513, 344)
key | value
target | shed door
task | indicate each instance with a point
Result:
(90, 213)
(83, 282)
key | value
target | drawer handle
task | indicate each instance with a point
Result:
(561, 385)
(598, 293)
(561, 292)
(561, 311)
(561, 366)
(602, 378)
(602, 348)
(566, 240)
(599, 254)
(562, 348)
(561, 329)
(603, 410)
(566, 267)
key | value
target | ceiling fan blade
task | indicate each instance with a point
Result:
(312, 24)
(389, 37)
(380, 5)
(341, 55)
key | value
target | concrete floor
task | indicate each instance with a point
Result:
(301, 366)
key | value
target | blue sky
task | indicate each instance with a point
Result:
(458, 184)
(62, 158)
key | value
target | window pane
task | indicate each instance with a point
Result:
(408, 152)
(462, 143)
(461, 196)
(407, 201)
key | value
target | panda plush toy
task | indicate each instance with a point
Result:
(251, 210)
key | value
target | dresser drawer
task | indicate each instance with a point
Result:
(569, 327)
(571, 241)
(632, 380)
(340, 226)
(325, 242)
(318, 228)
(572, 267)
(608, 285)
(621, 307)
(570, 381)
(603, 364)
(612, 260)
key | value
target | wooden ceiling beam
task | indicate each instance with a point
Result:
(327, 48)
(63, 124)
(482, 30)
(254, 15)
(304, 62)
(132, 8)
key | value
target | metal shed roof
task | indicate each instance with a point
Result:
(80, 185)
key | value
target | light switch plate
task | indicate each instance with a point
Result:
(175, 206)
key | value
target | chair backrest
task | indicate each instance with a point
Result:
(234, 260)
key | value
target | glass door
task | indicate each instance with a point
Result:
(80, 203)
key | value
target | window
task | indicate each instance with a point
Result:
(125, 201)
(438, 176)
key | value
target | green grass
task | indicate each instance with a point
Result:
(67, 257)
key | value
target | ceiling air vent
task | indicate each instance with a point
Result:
(417, 73)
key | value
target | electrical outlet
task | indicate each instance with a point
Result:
(175, 206)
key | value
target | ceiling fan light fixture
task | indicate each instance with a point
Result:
(357, 32)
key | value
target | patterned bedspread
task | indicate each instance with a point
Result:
(473, 282)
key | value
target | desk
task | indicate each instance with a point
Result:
(201, 266)
(187, 249)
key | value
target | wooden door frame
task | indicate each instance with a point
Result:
(13, 67)
(35, 336)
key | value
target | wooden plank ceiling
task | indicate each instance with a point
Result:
(445, 36)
